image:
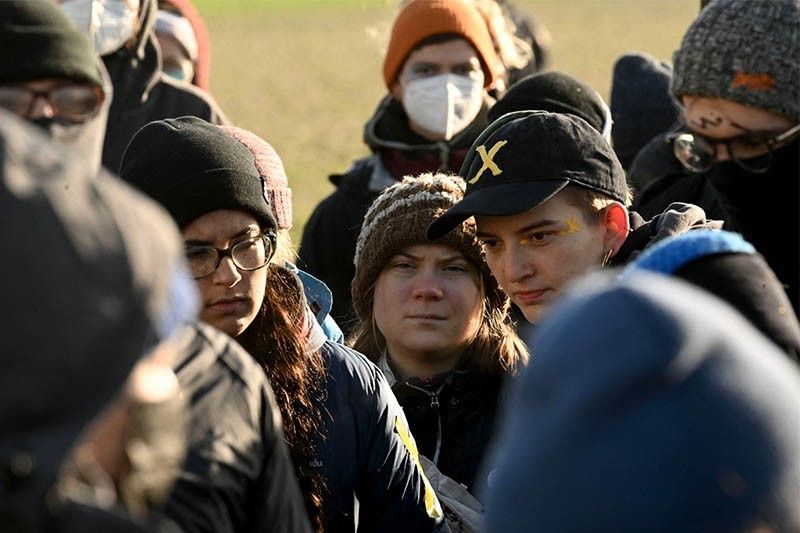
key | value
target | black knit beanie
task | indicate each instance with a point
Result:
(192, 168)
(38, 41)
(555, 92)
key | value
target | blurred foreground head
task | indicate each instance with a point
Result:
(667, 411)
(93, 280)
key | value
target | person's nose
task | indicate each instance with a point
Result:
(41, 108)
(227, 274)
(517, 265)
(427, 286)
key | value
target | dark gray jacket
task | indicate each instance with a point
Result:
(238, 475)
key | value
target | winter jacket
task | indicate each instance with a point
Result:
(101, 262)
(143, 94)
(767, 215)
(451, 416)
(368, 453)
(329, 239)
(238, 475)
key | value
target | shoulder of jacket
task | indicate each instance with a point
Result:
(346, 362)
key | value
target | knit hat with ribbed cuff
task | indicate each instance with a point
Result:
(269, 165)
(398, 218)
(39, 42)
(420, 19)
(192, 168)
(744, 51)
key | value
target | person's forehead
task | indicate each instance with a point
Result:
(219, 225)
(556, 208)
(430, 250)
(457, 50)
(746, 117)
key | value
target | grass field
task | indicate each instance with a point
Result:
(305, 74)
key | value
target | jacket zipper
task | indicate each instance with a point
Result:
(434, 405)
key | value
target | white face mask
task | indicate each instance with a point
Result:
(110, 23)
(444, 104)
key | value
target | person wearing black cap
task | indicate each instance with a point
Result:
(344, 427)
(550, 201)
(124, 37)
(50, 76)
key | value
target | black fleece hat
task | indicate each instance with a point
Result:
(556, 92)
(192, 168)
(38, 41)
(525, 158)
(641, 103)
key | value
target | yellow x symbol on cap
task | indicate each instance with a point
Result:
(488, 160)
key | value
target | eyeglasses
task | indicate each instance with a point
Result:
(698, 154)
(74, 102)
(250, 254)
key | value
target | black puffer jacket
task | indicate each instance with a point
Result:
(238, 475)
(143, 94)
(329, 238)
(452, 418)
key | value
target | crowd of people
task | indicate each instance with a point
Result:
(525, 310)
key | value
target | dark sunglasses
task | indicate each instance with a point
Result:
(698, 154)
(73, 103)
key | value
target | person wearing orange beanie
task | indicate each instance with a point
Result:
(439, 63)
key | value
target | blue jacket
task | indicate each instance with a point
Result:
(368, 452)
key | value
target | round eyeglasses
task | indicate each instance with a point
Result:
(698, 154)
(73, 102)
(249, 254)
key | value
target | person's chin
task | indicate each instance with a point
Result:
(233, 325)
(533, 312)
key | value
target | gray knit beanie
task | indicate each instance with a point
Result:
(745, 51)
(399, 217)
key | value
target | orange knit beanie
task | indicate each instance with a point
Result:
(420, 19)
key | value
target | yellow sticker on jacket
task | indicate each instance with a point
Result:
(432, 505)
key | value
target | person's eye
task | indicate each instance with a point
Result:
(423, 70)
(464, 70)
(194, 254)
(537, 238)
(403, 266)
(456, 268)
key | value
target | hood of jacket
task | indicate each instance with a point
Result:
(136, 67)
(388, 129)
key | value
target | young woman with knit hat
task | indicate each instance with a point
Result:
(345, 431)
(439, 63)
(435, 321)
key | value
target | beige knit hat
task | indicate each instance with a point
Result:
(399, 217)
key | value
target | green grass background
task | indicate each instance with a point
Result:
(306, 74)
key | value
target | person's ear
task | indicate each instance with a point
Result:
(397, 90)
(617, 226)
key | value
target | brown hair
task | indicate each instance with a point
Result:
(496, 348)
(297, 377)
(591, 203)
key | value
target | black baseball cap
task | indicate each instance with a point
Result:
(525, 158)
